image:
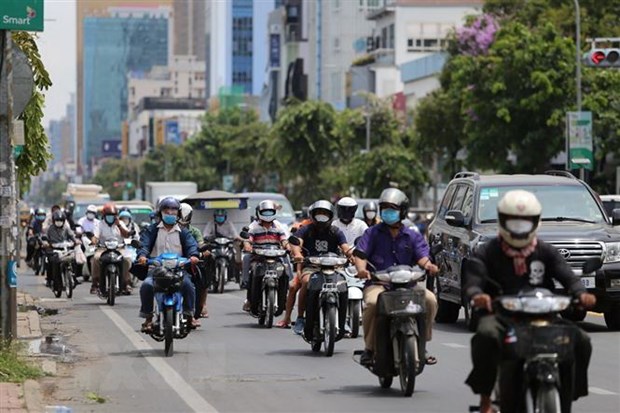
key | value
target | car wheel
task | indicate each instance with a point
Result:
(448, 312)
(612, 317)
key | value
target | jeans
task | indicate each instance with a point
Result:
(147, 296)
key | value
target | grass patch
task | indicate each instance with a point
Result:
(14, 368)
(95, 397)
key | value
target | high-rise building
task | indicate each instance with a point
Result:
(61, 135)
(189, 28)
(127, 35)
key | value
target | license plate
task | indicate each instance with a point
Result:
(588, 282)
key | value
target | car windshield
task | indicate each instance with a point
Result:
(286, 212)
(559, 203)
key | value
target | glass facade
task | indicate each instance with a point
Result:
(242, 44)
(113, 47)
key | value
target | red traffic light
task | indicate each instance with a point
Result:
(597, 57)
(602, 57)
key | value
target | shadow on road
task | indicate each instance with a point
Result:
(155, 352)
(368, 390)
(459, 327)
(301, 352)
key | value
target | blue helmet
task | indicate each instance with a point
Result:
(125, 214)
(169, 203)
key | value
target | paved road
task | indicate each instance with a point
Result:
(232, 365)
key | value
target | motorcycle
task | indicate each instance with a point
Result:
(169, 321)
(400, 337)
(269, 272)
(64, 280)
(89, 252)
(112, 269)
(132, 253)
(327, 303)
(39, 258)
(223, 255)
(355, 287)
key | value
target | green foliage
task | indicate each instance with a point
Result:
(50, 192)
(119, 171)
(14, 368)
(36, 153)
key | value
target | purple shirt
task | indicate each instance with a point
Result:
(384, 251)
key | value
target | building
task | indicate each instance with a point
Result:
(189, 18)
(236, 46)
(61, 134)
(127, 38)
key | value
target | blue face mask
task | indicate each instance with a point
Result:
(169, 219)
(390, 216)
(220, 219)
(110, 219)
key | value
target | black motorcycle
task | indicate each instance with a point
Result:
(64, 253)
(110, 283)
(223, 255)
(400, 328)
(269, 283)
(39, 258)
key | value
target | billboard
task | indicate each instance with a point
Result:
(172, 132)
(112, 148)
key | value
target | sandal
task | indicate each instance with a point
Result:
(283, 324)
(147, 327)
(430, 360)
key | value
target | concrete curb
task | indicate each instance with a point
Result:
(33, 397)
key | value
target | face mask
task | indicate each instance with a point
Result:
(220, 219)
(40, 217)
(59, 224)
(110, 219)
(169, 219)
(90, 216)
(371, 215)
(321, 218)
(390, 216)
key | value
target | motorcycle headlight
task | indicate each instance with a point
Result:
(401, 277)
(111, 244)
(612, 252)
(169, 263)
(314, 260)
(511, 303)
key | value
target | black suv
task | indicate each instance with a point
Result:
(573, 219)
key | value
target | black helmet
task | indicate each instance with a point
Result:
(69, 206)
(346, 208)
(321, 206)
(396, 197)
(59, 216)
(168, 203)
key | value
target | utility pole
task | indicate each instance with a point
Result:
(8, 293)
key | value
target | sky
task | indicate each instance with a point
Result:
(57, 44)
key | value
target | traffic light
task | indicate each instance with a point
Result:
(609, 57)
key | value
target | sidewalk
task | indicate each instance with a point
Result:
(18, 398)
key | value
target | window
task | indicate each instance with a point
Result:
(468, 204)
(391, 37)
(384, 35)
(409, 43)
(457, 202)
(447, 197)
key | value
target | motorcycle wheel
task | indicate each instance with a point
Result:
(36, 262)
(355, 310)
(111, 288)
(329, 330)
(547, 399)
(168, 334)
(316, 346)
(385, 382)
(271, 299)
(58, 288)
(68, 281)
(221, 277)
(407, 369)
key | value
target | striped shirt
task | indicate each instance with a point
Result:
(260, 234)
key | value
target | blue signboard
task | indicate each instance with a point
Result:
(172, 132)
(274, 50)
(111, 149)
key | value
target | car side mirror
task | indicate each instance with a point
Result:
(360, 254)
(136, 243)
(455, 218)
(294, 240)
(591, 265)
(615, 217)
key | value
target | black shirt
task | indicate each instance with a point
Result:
(543, 265)
(319, 241)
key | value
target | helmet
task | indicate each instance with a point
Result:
(69, 206)
(59, 216)
(321, 207)
(346, 208)
(169, 203)
(91, 208)
(397, 198)
(186, 214)
(266, 211)
(124, 214)
(40, 212)
(220, 215)
(518, 214)
(109, 209)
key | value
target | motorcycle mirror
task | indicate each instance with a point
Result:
(294, 240)
(244, 234)
(360, 254)
(245, 229)
(135, 243)
(44, 238)
(204, 248)
(294, 230)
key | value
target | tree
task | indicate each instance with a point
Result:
(36, 155)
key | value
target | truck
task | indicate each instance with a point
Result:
(155, 191)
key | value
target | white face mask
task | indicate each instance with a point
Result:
(59, 224)
(519, 226)
(90, 216)
(371, 214)
(321, 218)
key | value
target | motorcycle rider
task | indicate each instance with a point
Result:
(387, 244)
(352, 227)
(508, 260)
(109, 228)
(220, 226)
(35, 228)
(49, 220)
(125, 221)
(371, 213)
(89, 221)
(58, 232)
(167, 236)
(318, 237)
(266, 230)
(199, 278)
(69, 210)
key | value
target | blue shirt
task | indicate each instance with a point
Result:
(384, 251)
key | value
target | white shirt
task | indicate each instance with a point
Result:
(88, 225)
(227, 229)
(351, 231)
(168, 241)
(104, 232)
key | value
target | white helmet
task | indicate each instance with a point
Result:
(519, 216)
(346, 208)
(186, 214)
(266, 210)
(91, 208)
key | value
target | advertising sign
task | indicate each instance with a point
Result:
(172, 132)
(274, 50)
(24, 15)
(112, 149)
(579, 130)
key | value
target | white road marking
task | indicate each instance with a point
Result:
(455, 345)
(185, 391)
(602, 392)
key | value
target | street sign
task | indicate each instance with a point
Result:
(23, 82)
(227, 182)
(579, 130)
(24, 15)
